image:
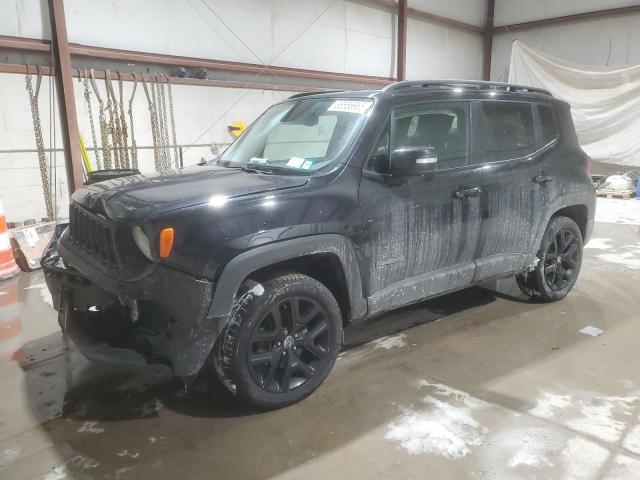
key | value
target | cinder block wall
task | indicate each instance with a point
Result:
(348, 37)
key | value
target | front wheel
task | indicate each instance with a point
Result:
(281, 341)
(560, 258)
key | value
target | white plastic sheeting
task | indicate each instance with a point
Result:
(605, 101)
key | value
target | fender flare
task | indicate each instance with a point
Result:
(246, 263)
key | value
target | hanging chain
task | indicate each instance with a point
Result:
(162, 117)
(87, 98)
(167, 138)
(114, 122)
(37, 130)
(154, 122)
(174, 141)
(104, 128)
(123, 125)
(134, 148)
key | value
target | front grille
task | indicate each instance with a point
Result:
(93, 234)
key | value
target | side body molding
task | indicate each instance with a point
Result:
(248, 262)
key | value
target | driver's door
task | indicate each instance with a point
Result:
(422, 231)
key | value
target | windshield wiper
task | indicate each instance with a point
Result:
(253, 169)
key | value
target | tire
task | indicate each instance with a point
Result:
(560, 258)
(289, 359)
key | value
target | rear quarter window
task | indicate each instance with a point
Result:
(547, 125)
(506, 131)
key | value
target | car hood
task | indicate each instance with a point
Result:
(146, 195)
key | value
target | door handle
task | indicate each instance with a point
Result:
(542, 179)
(467, 192)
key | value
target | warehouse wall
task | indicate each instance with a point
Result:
(605, 41)
(196, 108)
(349, 37)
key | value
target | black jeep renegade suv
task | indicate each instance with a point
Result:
(329, 209)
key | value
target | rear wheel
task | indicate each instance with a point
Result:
(281, 342)
(560, 258)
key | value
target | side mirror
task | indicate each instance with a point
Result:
(413, 160)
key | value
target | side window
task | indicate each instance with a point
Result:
(547, 124)
(442, 125)
(506, 131)
(379, 161)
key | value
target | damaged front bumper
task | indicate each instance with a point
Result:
(157, 325)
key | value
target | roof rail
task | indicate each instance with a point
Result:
(478, 84)
(304, 94)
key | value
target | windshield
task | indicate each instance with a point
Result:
(298, 137)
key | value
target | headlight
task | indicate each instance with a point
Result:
(142, 241)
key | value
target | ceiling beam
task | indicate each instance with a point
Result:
(128, 77)
(24, 44)
(448, 22)
(392, 6)
(77, 50)
(576, 17)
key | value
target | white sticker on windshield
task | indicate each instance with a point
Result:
(258, 160)
(307, 165)
(349, 106)
(295, 162)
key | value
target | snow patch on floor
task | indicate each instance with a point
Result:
(583, 459)
(548, 403)
(521, 452)
(393, 341)
(90, 427)
(442, 424)
(630, 259)
(624, 468)
(597, 417)
(44, 292)
(601, 416)
(600, 244)
(613, 210)
(632, 440)
(56, 473)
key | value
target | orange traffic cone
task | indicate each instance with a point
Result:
(10, 327)
(8, 266)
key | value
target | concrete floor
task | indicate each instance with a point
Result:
(475, 385)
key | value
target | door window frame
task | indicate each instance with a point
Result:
(389, 123)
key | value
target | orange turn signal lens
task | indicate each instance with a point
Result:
(166, 242)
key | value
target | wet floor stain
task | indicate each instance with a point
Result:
(478, 384)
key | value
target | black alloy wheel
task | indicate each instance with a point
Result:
(561, 259)
(289, 344)
(281, 341)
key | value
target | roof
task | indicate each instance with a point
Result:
(419, 86)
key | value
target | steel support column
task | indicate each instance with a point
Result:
(67, 103)
(487, 40)
(401, 57)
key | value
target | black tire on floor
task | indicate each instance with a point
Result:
(281, 341)
(560, 258)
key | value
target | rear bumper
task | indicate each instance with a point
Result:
(156, 325)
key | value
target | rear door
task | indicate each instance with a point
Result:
(421, 231)
(511, 147)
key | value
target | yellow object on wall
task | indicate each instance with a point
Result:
(237, 128)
